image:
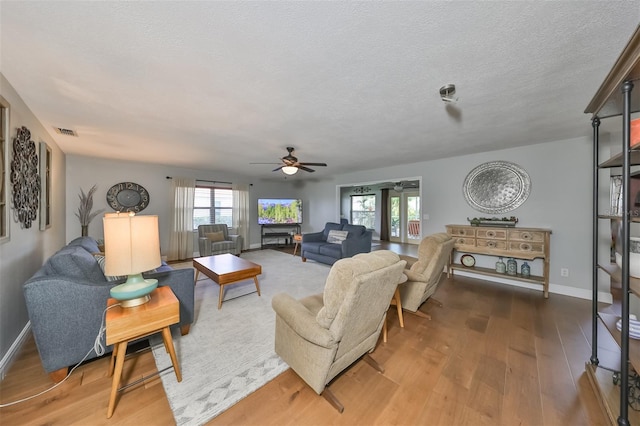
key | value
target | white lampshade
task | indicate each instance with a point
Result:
(289, 170)
(132, 244)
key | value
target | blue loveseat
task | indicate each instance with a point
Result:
(67, 296)
(316, 247)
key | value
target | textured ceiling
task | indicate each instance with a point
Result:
(219, 85)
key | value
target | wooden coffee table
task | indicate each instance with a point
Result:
(226, 269)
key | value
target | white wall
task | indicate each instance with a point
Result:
(560, 200)
(26, 250)
(83, 172)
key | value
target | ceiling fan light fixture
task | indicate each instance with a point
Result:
(289, 170)
(398, 187)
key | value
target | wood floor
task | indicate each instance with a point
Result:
(492, 355)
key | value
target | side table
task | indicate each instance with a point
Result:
(127, 324)
(298, 239)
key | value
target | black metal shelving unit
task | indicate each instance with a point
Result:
(616, 97)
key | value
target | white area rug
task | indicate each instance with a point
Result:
(229, 353)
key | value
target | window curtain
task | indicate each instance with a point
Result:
(181, 237)
(384, 215)
(241, 212)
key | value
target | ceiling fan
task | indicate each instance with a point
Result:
(290, 164)
(402, 185)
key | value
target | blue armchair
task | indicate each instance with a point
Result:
(335, 242)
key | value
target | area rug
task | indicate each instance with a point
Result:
(229, 353)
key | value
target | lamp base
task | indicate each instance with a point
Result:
(134, 292)
(130, 303)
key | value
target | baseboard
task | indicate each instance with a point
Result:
(13, 351)
(579, 293)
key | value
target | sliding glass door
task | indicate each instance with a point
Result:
(404, 217)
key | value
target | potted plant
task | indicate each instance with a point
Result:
(84, 213)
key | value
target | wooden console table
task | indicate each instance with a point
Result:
(519, 243)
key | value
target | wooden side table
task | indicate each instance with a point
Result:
(298, 239)
(126, 324)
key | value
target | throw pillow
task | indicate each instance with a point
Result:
(100, 259)
(215, 236)
(336, 237)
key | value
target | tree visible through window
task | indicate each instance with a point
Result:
(363, 210)
(212, 205)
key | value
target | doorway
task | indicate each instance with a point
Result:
(404, 217)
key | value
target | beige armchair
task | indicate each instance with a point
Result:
(424, 272)
(215, 239)
(321, 335)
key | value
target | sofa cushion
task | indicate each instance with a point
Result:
(330, 226)
(332, 250)
(313, 247)
(354, 230)
(336, 237)
(215, 236)
(87, 243)
(100, 259)
(75, 261)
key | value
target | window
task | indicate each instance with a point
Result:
(4, 165)
(212, 205)
(363, 210)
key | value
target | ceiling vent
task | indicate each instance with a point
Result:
(66, 132)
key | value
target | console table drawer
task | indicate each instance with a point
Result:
(525, 247)
(525, 235)
(492, 244)
(462, 242)
(499, 234)
(462, 231)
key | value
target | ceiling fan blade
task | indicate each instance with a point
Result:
(278, 168)
(306, 169)
(314, 164)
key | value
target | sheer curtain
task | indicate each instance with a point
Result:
(241, 212)
(181, 237)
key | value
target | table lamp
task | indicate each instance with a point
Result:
(132, 246)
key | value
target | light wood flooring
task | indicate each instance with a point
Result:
(492, 355)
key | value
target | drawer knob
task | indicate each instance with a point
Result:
(460, 240)
(462, 232)
(525, 247)
(526, 236)
(491, 234)
(491, 244)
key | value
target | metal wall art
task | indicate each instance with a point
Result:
(496, 187)
(24, 178)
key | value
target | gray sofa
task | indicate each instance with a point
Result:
(66, 299)
(316, 247)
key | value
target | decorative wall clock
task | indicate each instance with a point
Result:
(25, 181)
(128, 197)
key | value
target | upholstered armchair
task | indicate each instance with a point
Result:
(321, 335)
(424, 272)
(215, 239)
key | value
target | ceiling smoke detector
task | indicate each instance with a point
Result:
(448, 92)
